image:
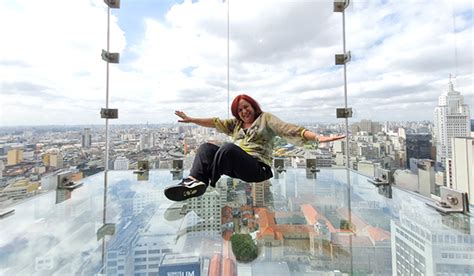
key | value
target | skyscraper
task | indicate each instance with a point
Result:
(460, 170)
(418, 146)
(15, 156)
(451, 119)
(86, 138)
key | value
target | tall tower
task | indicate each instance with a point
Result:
(460, 170)
(451, 119)
(86, 138)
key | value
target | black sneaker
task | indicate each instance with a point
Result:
(187, 188)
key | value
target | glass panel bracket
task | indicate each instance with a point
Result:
(110, 57)
(113, 4)
(143, 166)
(143, 170)
(340, 5)
(109, 113)
(177, 169)
(451, 201)
(342, 59)
(65, 182)
(311, 170)
(108, 229)
(344, 112)
(383, 177)
(383, 180)
(279, 166)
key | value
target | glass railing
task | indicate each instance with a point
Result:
(196, 56)
(300, 223)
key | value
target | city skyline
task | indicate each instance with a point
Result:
(174, 55)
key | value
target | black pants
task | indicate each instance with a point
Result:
(212, 161)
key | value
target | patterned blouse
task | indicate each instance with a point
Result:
(257, 140)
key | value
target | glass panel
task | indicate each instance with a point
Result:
(301, 225)
(183, 55)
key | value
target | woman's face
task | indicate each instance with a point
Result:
(246, 111)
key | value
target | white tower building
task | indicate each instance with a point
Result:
(121, 163)
(86, 138)
(451, 119)
(460, 170)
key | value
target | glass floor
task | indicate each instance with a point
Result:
(297, 224)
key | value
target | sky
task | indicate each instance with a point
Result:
(174, 56)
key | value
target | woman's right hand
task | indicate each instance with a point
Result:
(183, 116)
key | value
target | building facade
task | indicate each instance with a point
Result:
(86, 138)
(121, 163)
(418, 146)
(15, 156)
(451, 119)
(460, 170)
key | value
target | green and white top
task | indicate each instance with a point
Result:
(257, 140)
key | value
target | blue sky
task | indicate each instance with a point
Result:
(132, 13)
(174, 56)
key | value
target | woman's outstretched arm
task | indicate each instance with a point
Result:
(322, 139)
(205, 122)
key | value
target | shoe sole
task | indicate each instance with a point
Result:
(180, 193)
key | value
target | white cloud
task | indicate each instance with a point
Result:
(281, 52)
(56, 45)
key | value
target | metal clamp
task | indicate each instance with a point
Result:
(279, 166)
(311, 165)
(342, 59)
(280, 169)
(109, 113)
(143, 170)
(344, 112)
(110, 57)
(177, 169)
(143, 166)
(311, 170)
(451, 201)
(65, 182)
(108, 229)
(340, 5)
(383, 177)
(177, 165)
(113, 4)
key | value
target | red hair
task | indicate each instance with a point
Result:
(235, 105)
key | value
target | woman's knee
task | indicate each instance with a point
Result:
(228, 148)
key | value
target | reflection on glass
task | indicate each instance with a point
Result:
(298, 225)
(62, 195)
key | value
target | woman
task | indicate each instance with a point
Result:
(250, 156)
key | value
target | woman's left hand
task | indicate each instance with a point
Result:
(327, 139)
